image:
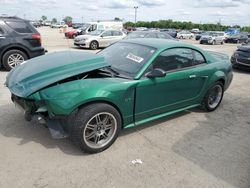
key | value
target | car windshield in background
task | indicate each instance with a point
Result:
(96, 33)
(127, 58)
(85, 26)
(136, 35)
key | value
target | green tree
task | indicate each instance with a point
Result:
(44, 18)
(117, 19)
(54, 20)
(68, 19)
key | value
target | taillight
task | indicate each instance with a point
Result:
(37, 37)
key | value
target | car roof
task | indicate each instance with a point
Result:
(9, 18)
(160, 43)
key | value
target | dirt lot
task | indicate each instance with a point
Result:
(191, 149)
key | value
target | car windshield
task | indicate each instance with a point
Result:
(84, 26)
(136, 35)
(127, 58)
(96, 32)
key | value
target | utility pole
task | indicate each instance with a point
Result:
(82, 19)
(135, 7)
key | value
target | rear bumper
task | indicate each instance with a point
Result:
(37, 52)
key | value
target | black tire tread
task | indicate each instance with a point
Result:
(204, 102)
(80, 120)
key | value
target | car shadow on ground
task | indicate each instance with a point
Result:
(12, 124)
(241, 70)
(220, 144)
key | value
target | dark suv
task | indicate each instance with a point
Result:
(19, 41)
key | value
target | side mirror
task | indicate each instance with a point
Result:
(156, 73)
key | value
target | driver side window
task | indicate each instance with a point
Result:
(174, 59)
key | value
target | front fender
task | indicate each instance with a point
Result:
(65, 98)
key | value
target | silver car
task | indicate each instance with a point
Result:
(98, 38)
(212, 38)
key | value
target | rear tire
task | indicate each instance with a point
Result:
(13, 58)
(213, 97)
(95, 127)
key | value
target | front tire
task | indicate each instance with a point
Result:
(13, 58)
(213, 97)
(93, 45)
(96, 127)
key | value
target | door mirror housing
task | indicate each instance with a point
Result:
(156, 73)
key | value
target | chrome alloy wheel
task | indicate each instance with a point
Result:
(100, 130)
(15, 59)
(215, 96)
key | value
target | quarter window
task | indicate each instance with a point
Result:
(174, 59)
(20, 27)
(198, 58)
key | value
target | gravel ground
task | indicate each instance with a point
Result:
(191, 149)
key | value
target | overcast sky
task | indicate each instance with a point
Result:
(229, 12)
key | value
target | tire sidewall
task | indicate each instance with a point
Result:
(80, 122)
(205, 101)
(10, 52)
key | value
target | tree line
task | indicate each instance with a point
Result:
(183, 25)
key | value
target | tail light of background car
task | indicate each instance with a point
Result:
(37, 37)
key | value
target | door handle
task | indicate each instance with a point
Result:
(2, 37)
(192, 76)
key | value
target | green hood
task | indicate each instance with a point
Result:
(42, 71)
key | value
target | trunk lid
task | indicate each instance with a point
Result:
(45, 70)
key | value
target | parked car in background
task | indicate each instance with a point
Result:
(237, 38)
(36, 24)
(92, 97)
(212, 38)
(185, 35)
(148, 34)
(222, 34)
(171, 32)
(99, 39)
(80, 31)
(241, 57)
(199, 34)
(77, 25)
(47, 23)
(19, 41)
(59, 25)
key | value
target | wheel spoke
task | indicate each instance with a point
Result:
(98, 119)
(108, 126)
(105, 136)
(106, 119)
(91, 135)
(91, 127)
(97, 138)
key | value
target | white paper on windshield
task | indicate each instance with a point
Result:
(134, 58)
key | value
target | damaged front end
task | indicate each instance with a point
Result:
(38, 112)
(27, 82)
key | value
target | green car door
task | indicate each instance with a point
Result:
(180, 87)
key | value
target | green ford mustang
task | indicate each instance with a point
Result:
(91, 97)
